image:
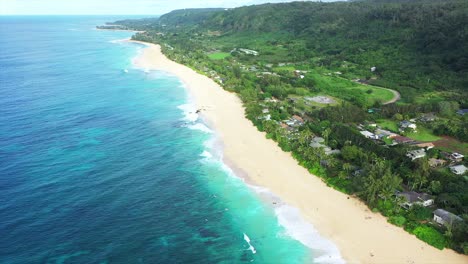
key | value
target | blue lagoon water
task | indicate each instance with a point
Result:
(99, 162)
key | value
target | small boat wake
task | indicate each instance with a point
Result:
(251, 248)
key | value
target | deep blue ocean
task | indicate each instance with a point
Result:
(101, 162)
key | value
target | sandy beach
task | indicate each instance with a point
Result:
(361, 236)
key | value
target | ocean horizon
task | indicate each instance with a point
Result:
(103, 162)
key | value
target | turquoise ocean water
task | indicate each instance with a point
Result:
(101, 162)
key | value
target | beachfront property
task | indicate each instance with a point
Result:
(445, 218)
(412, 198)
(295, 121)
(404, 125)
(317, 142)
(459, 169)
(416, 154)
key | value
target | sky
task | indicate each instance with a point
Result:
(114, 7)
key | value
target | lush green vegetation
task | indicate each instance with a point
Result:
(305, 50)
(219, 55)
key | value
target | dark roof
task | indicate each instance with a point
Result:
(402, 139)
(447, 216)
(462, 111)
(413, 197)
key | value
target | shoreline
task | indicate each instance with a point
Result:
(360, 235)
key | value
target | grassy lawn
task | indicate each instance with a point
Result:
(347, 89)
(219, 55)
(388, 124)
(423, 134)
(378, 94)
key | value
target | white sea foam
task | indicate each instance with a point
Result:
(289, 217)
(206, 154)
(189, 110)
(201, 127)
(119, 40)
(296, 227)
(251, 248)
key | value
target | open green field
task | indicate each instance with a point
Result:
(218, 55)
(388, 124)
(423, 134)
(377, 94)
(349, 90)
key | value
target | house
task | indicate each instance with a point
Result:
(265, 111)
(368, 134)
(298, 120)
(462, 111)
(401, 139)
(271, 100)
(318, 139)
(381, 133)
(427, 145)
(412, 198)
(249, 52)
(416, 154)
(428, 117)
(445, 218)
(456, 157)
(407, 124)
(283, 125)
(459, 169)
(436, 162)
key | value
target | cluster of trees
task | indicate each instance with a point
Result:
(402, 39)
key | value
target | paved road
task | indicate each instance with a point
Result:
(396, 96)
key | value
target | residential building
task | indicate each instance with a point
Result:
(368, 134)
(459, 169)
(456, 157)
(407, 124)
(433, 163)
(445, 218)
(426, 145)
(412, 198)
(416, 154)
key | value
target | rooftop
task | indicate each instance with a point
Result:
(447, 216)
(413, 197)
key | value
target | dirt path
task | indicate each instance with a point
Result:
(396, 96)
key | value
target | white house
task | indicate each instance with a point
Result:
(416, 154)
(368, 134)
(407, 124)
(249, 52)
(457, 157)
(459, 169)
(445, 218)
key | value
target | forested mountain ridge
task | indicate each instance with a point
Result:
(414, 44)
